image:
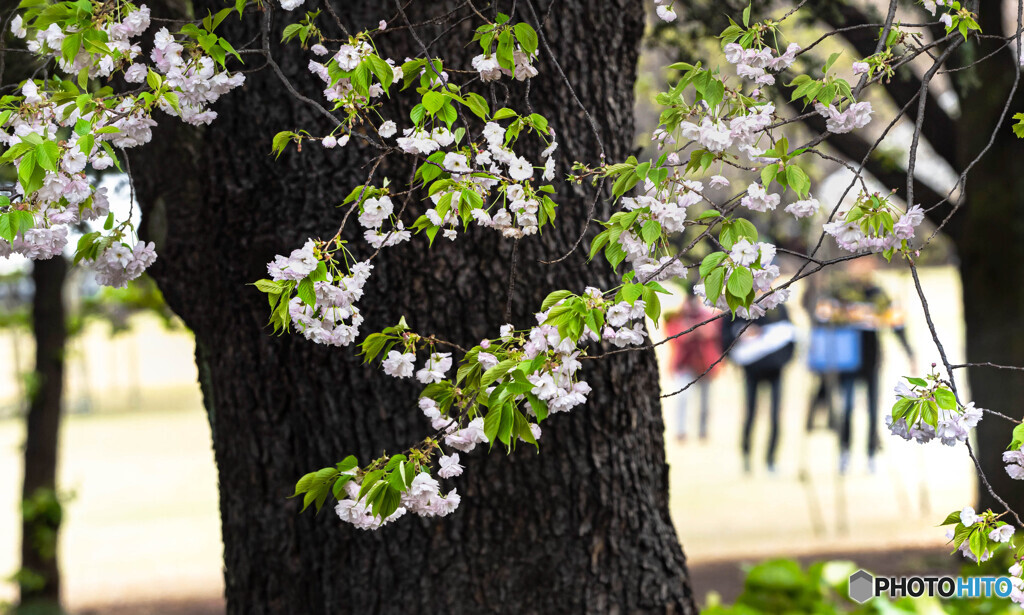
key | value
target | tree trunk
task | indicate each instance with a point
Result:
(582, 527)
(990, 243)
(39, 577)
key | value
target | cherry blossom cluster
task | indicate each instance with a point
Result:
(751, 263)
(500, 56)
(423, 497)
(978, 535)
(55, 190)
(467, 179)
(1013, 457)
(873, 224)
(1014, 461)
(97, 61)
(374, 212)
(311, 292)
(119, 264)
(346, 77)
(664, 10)
(195, 79)
(665, 205)
(505, 387)
(721, 124)
(1017, 593)
(754, 63)
(928, 409)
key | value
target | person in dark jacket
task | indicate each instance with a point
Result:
(854, 300)
(762, 348)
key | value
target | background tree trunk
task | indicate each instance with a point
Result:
(582, 527)
(39, 577)
(989, 236)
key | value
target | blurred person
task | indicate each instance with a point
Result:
(762, 348)
(853, 300)
(692, 354)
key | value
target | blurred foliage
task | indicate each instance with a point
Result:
(44, 510)
(114, 306)
(781, 586)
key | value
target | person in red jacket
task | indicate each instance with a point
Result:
(691, 355)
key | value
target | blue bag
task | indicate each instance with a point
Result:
(834, 349)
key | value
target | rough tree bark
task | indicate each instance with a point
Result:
(581, 527)
(39, 578)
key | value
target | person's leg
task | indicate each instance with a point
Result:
(683, 378)
(820, 397)
(872, 385)
(705, 404)
(846, 385)
(775, 381)
(748, 423)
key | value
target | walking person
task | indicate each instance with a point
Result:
(692, 354)
(856, 302)
(763, 349)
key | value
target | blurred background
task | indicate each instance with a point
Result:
(138, 485)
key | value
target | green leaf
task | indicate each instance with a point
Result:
(306, 292)
(504, 113)
(507, 422)
(388, 502)
(491, 423)
(919, 382)
(599, 241)
(652, 305)
(929, 413)
(977, 542)
(527, 37)
(290, 32)
(900, 408)
(71, 45)
(497, 372)
(945, 398)
(478, 105)
(741, 282)
(47, 153)
(714, 93)
(369, 480)
(385, 74)
(831, 60)
(713, 283)
(281, 141)
(710, 262)
(554, 298)
(1018, 437)
(361, 79)
(952, 519)
(745, 228)
(504, 54)
(433, 101)
(347, 464)
(798, 180)
(651, 231)
(303, 483)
